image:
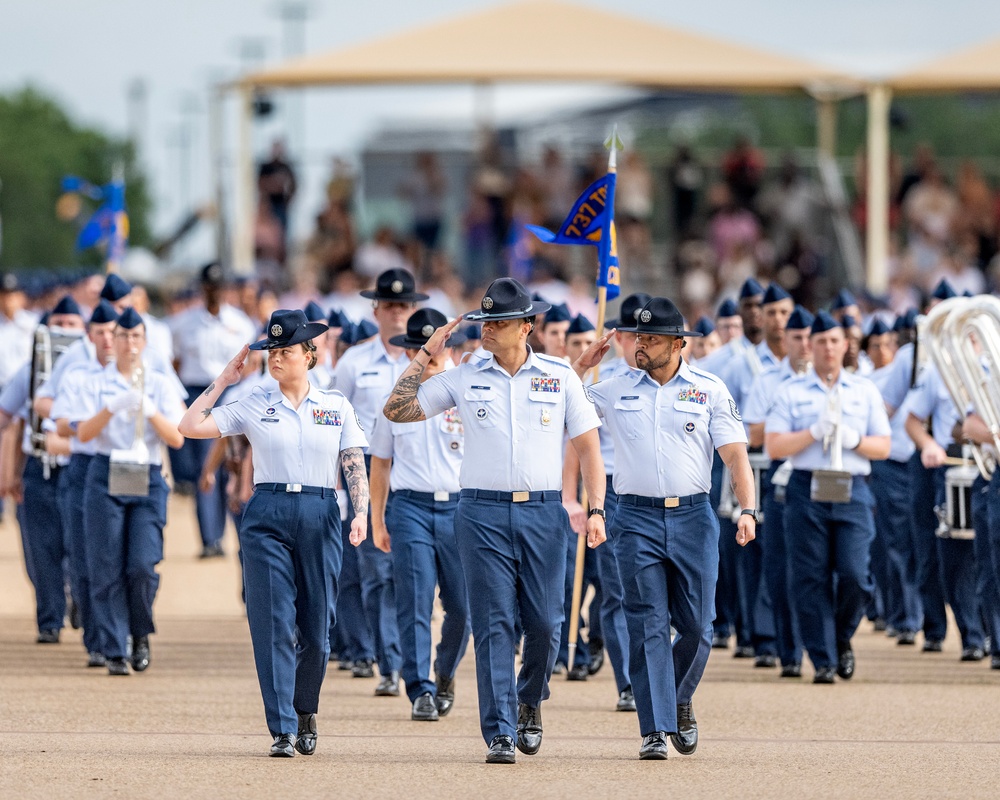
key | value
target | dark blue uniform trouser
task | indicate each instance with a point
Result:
(291, 562)
(72, 483)
(124, 544)
(829, 546)
(774, 546)
(43, 542)
(425, 555)
(890, 485)
(669, 563)
(728, 618)
(987, 558)
(924, 522)
(187, 463)
(612, 612)
(590, 578)
(957, 562)
(514, 558)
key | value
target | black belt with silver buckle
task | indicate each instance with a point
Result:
(662, 502)
(510, 497)
(427, 497)
(295, 488)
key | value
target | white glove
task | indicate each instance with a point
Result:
(849, 438)
(822, 428)
(129, 400)
(148, 407)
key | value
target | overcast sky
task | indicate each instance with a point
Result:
(88, 52)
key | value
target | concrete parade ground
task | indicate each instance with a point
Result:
(908, 725)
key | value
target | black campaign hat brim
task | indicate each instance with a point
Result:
(537, 307)
(303, 333)
(665, 331)
(407, 343)
(409, 297)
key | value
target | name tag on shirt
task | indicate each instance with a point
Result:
(368, 379)
(326, 416)
(546, 385)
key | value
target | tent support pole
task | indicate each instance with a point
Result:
(826, 126)
(877, 233)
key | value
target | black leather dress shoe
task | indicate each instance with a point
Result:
(96, 660)
(906, 638)
(931, 646)
(765, 660)
(596, 648)
(75, 616)
(529, 729)
(283, 747)
(685, 741)
(879, 624)
(654, 747)
(720, 641)
(845, 664)
(743, 651)
(305, 742)
(995, 661)
(445, 695)
(559, 668)
(48, 637)
(791, 670)
(117, 666)
(973, 654)
(626, 700)
(824, 675)
(363, 669)
(501, 751)
(140, 654)
(388, 686)
(578, 673)
(424, 709)
(345, 665)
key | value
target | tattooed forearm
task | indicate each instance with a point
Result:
(206, 413)
(353, 462)
(402, 405)
(209, 390)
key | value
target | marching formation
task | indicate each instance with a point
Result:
(767, 480)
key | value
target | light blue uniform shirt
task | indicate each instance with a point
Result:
(902, 445)
(718, 362)
(801, 401)
(744, 368)
(426, 456)
(293, 445)
(204, 343)
(68, 400)
(366, 375)
(15, 401)
(612, 369)
(513, 425)
(896, 382)
(119, 433)
(760, 397)
(665, 436)
(930, 399)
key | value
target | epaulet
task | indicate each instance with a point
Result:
(701, 373)
(553, 360)
(332, 394)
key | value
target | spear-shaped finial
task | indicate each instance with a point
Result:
(614, 144)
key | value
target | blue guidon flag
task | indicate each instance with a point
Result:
(592, 222)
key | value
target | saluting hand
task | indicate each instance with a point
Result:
(593, 355)
(436, 344)
(233, 373)
(746, 530)
(359, 530)
(595, 531)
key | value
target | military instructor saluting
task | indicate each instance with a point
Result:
(666, 419)
(510, 521)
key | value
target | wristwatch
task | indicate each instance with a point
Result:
(752, 513)
(599, 512)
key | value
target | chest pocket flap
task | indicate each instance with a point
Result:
(369, 378)
(690, 408)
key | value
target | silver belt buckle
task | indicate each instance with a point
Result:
(671, 502)
(293, 488)
(520, 497)
(442, 497)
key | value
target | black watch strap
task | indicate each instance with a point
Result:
(752, 513)
(599, 512)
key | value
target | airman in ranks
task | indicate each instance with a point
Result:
(831, 425)
(414, 489)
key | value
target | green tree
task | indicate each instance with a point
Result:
(39, 145)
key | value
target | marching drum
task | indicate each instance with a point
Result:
(956, 519)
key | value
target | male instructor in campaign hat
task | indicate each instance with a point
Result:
(510, 520)
(667, 419)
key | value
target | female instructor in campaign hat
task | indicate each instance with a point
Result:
(290, 532)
